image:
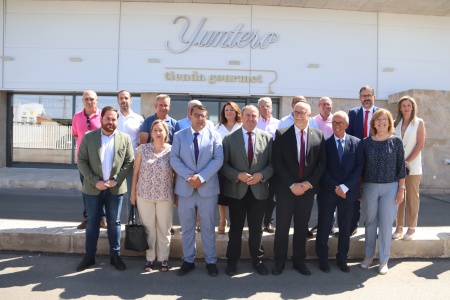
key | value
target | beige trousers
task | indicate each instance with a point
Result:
(411, 203)
(156, 216)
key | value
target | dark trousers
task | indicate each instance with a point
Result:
(355, 215)
(253, 209)
(270, 206)
(327, 205)
(299, 207)
(94, 208)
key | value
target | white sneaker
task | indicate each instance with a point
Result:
(383, 270)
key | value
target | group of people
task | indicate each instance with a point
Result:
(251, 163)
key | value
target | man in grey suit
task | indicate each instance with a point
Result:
(299, 159)
(247, 166)
(105, 158)
(196, 157)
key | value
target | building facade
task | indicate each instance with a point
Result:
(215, 51)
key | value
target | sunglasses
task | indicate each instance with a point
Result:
(88, 123)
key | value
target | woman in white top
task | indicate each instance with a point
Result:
(411, 130)
(230, 120)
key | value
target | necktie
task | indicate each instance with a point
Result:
(366, 119)
(302, 154)
(340, 149)
(250, 149)
(196, 147)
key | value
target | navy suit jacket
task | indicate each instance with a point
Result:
(346, 172)
(356, 121)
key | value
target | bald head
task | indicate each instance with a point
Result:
(298, 99)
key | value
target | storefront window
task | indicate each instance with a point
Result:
(42, 130)
(42, 126)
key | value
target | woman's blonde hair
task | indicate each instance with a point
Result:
(399, 111)
(166, 129)
(376, 115)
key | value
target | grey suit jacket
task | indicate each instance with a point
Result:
(236, 161)
(90, 165)
(210, 159)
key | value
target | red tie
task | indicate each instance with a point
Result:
(365, 123)
(250, 149)
(302, 155)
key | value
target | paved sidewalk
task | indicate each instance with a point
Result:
(431, 240)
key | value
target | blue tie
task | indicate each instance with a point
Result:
(196, 147)
(340, 149)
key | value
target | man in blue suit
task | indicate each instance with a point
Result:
(339, 188)
(196, 157)
(359, 126)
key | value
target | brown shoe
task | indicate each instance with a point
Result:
(82, 224)
(103, 224)
(269, 228)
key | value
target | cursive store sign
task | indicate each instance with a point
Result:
(225, 39)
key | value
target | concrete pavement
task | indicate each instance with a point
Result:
(431, 240)
(37, 276)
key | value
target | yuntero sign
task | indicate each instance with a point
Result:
(225, 39)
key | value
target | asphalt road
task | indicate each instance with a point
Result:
(51, 276)
(66, 205)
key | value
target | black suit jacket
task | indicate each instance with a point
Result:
(346, 172)
(285, 159)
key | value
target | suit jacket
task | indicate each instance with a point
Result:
(236, 161)
(346, 172)
(210, 160)
(285, 159)
(90, 165)
(356, 121)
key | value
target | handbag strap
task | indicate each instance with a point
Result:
(132, 216)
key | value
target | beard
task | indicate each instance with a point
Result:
(109, 127)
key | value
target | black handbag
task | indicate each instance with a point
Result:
(135, 237)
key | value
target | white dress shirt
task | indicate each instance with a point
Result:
(107, 154)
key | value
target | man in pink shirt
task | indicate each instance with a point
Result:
(87, 119)
(324, 118)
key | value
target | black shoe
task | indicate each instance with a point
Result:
(172, 231)
(309, 235)
(185, 268)
(353, 231)
(278, 268)
(334, 232)
(343, 267)
(230, 270)
(212, 269)
(303, 269)
(260, 268)
(85, 263)
(324, 267)
(117, 262)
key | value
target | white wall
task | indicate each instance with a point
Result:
(116, 39)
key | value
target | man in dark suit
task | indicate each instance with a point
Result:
(105, 158)
(247, 166)
(339, 188)
(196, 157)
(299, 160)
(359, 126)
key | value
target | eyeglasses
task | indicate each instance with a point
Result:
(338, 123)
(200, 116)
(366, 96)
(381, 119)
(88, 123)
(264, 106)
(300, 113)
